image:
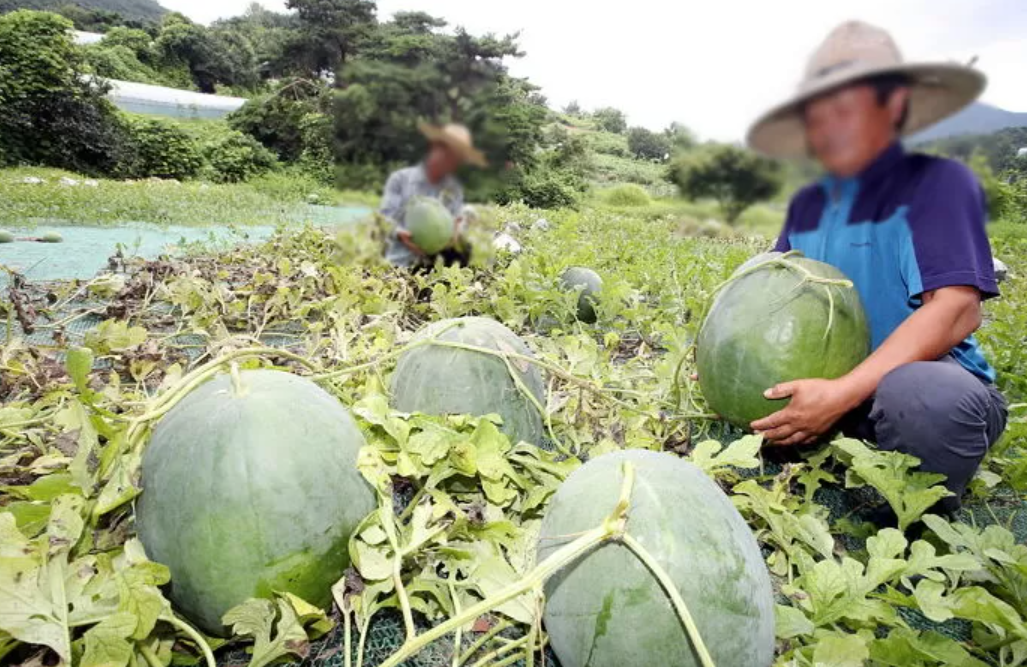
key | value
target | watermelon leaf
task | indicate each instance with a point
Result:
(275, 628)
(107, 643)
(838, 650)
(909, 493)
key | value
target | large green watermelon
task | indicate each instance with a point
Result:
(756, 260)
(768, 327)
(608, 610)
(430, 224)
(253, 491)
(590, 284)
(439, 380)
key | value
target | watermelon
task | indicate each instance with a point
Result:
(608, 610)
(51, 237)
(590, 284)
(252, 491)
(758, 259)
(439, 380)
(430, 224)
(767, 327)
(6, 236)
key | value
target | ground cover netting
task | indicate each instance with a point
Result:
(321, 305)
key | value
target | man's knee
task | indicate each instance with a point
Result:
(938, 412)
(934, 393)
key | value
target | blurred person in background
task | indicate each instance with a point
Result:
(449, 148)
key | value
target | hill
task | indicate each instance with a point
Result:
(977, 119)
(131, 10)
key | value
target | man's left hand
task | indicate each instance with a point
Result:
(816, 406)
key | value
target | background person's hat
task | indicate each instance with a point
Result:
(458, 138)
(855, 51)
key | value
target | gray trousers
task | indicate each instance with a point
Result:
(937, 411)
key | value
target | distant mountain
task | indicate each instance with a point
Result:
(978, 118)
(132, 10)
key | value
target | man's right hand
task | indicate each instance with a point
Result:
(406, 239)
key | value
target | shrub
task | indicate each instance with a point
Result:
(159, 149)
(735, 178)
(627, 195)
(49, 113)
(276, 120)
(237, 157)
(611, 120)
(545, 188)
(608, 143)
(647, 145)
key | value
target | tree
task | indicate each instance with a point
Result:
(681, 138)
(647, 145)
(330, 31)
(572, 108)
(734, 177)
(50, 113)
(610, 120)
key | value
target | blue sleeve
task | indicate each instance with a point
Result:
(947, 218)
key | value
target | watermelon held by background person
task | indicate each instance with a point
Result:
(607, 609)
(251, 487)
(438, 380)
(51, 237)
(786, 318)
(590, 284)
(430, 224)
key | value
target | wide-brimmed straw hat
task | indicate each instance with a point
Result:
(856, 51)
(458, 138)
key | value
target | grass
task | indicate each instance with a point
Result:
(275, 198)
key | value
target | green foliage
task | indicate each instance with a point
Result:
(159, 148)
(49, 113)
(545, 188)
(648, 145)
(626, 195)
(680, 137)
(276, 119)
(607, 143)
(610, 120)
(329, 32)
(734, 177)
(1005, 200)
(237, 157)
(212, 57)
(999, 149)
(94, 15)
(274, 198)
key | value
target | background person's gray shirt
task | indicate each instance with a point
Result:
(402, 186)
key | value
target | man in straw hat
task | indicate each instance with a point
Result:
(909, 230)
(450, 147)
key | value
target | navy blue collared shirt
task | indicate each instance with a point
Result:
(908, 224)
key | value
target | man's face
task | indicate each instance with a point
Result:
(442, 159)
(848, 128)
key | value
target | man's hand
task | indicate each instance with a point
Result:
(816, 406)
(406, 239)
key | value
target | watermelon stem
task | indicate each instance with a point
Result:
(675, 597)
(611, 529)
(208, 654)
(481, 641)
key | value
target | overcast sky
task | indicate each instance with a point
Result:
(713, 65)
